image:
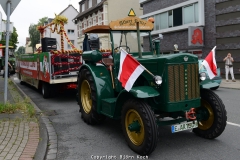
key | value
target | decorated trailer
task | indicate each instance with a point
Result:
(48, 69)
(169, 90)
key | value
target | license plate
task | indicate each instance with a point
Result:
(184, 126)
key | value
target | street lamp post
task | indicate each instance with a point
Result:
(6, 5)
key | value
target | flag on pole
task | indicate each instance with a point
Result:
(129, 70)
(210, 64)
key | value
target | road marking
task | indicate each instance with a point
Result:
(234, 124)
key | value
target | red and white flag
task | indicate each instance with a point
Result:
(210, 64)
(129, 70)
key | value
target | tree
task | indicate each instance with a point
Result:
(42, 21)
(21, 50)
(35, 34)
(13, 39)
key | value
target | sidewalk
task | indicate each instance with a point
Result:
(19, 136)
(230, 84)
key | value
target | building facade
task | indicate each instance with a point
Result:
(101, 12)
(70, 28)
(214, 23)
(28, 49)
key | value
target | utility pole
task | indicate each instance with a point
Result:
(6, 5)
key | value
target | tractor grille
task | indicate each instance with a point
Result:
(183, 82)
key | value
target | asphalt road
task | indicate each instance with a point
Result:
(79, 141)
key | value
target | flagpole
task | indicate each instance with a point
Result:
(140, 64)
(147, 70)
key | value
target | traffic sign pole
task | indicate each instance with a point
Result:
(6, 52)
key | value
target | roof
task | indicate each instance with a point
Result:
(90, 10)
(97, 29)
(67, 8)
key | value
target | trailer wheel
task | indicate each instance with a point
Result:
(20, 78)
(46, 90)
(139, 127)
(213, 115)
(87, 97)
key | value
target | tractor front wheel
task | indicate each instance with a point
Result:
(212, 114)
(139, 127)
(88, 98)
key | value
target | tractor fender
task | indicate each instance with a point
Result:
(207, 84)
(141, 92)
(102, 81)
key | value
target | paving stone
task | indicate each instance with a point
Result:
(4, 142)
(20, 149)
(15, 158)
(9, 156)
(52, 146)
(17, 154)
(51, 156)
(2, 146)
(52, 141)
(7, 149)
(3, 154)
(52, 137)
(15, 146)
(51, 151)
(12, 151)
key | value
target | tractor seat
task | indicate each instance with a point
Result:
(108, 61)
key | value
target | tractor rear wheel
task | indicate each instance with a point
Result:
(139, 127)
(213, 115)
(88, 98)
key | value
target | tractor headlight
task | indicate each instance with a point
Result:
(158, 80)
(202, 76)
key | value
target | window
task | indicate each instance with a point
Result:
(69, 47)
(170, 19)
(80, 31)
(177, 16)
(99, 20)
(98, 1)
(83, 7)
(70, 32)
(157, 22)
(196, 13)
(89, 3)
(90, 22)
(188, 14)
(94, 21)
(164, 20)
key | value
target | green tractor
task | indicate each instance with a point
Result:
(171, 91)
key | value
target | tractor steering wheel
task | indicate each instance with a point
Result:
(127, 48)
